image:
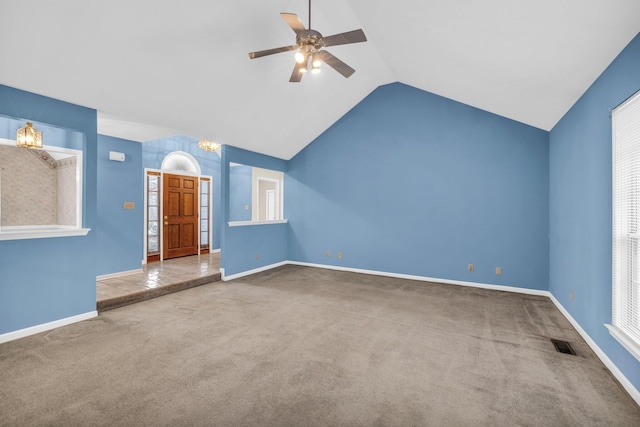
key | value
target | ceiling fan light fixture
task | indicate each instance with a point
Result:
(300, 57)
(315, 70)
(316, 63)
(303, 69)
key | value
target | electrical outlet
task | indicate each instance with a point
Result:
(339, 254)
(328, 253)
(470, 267)
(498, 270)
(247, 207)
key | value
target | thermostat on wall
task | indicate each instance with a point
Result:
(114, 155)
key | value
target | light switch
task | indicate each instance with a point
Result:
(129, 205)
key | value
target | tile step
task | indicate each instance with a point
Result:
(132, 298)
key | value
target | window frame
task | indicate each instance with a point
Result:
(625, 219)
(205, 248)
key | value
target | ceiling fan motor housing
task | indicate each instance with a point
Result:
(311, 42)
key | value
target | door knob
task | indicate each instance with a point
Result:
(166, 223)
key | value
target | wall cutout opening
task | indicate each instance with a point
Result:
(256, 195)
(40, 191)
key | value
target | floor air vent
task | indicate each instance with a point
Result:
(563, 347)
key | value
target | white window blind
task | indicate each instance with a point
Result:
(626, 225)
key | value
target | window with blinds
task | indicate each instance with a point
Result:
(626, 225)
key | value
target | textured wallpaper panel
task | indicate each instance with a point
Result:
(66, 191)
(27, 189)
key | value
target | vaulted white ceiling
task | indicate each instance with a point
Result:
(155, 68)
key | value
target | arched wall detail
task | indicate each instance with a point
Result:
(180, 161)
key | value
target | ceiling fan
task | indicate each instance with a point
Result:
(309, 44)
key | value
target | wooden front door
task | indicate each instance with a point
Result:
(180, 210)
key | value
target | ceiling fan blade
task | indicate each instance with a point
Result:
(335, 63)
(355, 36)
(294, 22)
(296, 75)
(262, 53)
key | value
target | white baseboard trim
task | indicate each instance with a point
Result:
(22, 333)
(118, 274)
(426, 279)
(215, 251)
(249, 272)
(635, 394)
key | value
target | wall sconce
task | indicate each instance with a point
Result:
(209, 145)
(29, 137)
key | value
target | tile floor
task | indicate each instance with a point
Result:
(160, 275)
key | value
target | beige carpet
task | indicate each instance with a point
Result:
(302, 347)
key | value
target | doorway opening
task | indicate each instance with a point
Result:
(178, 209)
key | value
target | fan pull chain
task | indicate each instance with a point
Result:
(309, 15)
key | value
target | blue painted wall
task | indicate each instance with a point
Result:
(240, 192)
(120, 232)
(43, 280)
(410, 182)
(580, 205)
(154, 152)
(53, 136)
(242, 244)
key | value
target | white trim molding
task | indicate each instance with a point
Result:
(624, 381)
(22, 333)
(118, 274)
(245, 223)
(426, 279)
(250, 272)
(627, 342)
(40, 232)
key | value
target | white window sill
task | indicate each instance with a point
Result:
(625, 340)
(40, 232)
(245, 223)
